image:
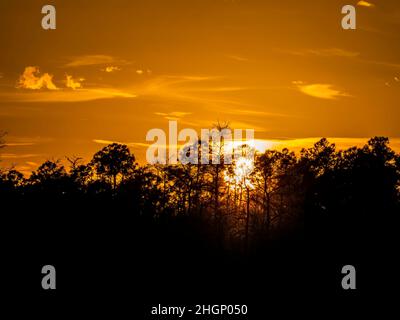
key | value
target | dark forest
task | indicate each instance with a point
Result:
(292, 219)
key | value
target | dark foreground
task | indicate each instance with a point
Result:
(179, 236)
(115, 265)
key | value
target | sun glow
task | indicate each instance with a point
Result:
(241, 175)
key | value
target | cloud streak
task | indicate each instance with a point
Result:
(365, 4)
(129, 144)
(19, 156)
(95, 59)
(325, 52)
(341, 53)
(237, 58)
(67, 96)
(175, 115)
(319, 90)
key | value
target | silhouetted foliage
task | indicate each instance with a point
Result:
(112, 161)
(342, 195)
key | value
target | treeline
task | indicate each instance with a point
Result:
(238, 206)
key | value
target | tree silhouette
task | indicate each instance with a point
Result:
(112, 161)
(332, 192)
(80, 173)
(11, 180)
(48, 171)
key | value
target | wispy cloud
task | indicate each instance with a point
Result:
(67, 96)
(30, 79)
(19, 144)
(249, 112)
(237, 58)
(95, 59)
(129, 144)
(73, 83)
(176, 87)
(323, 52)
(13, 141)
(19, 156)
(391, 65)
(207, 92)
(218, 89)
(32, 163)
(337, 52)
(110, 69)
(363, 3)
(319, 90)
(175, 115)
(102, 141)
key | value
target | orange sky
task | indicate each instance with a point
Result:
(112, 70)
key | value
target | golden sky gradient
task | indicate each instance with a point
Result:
(112, 70)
